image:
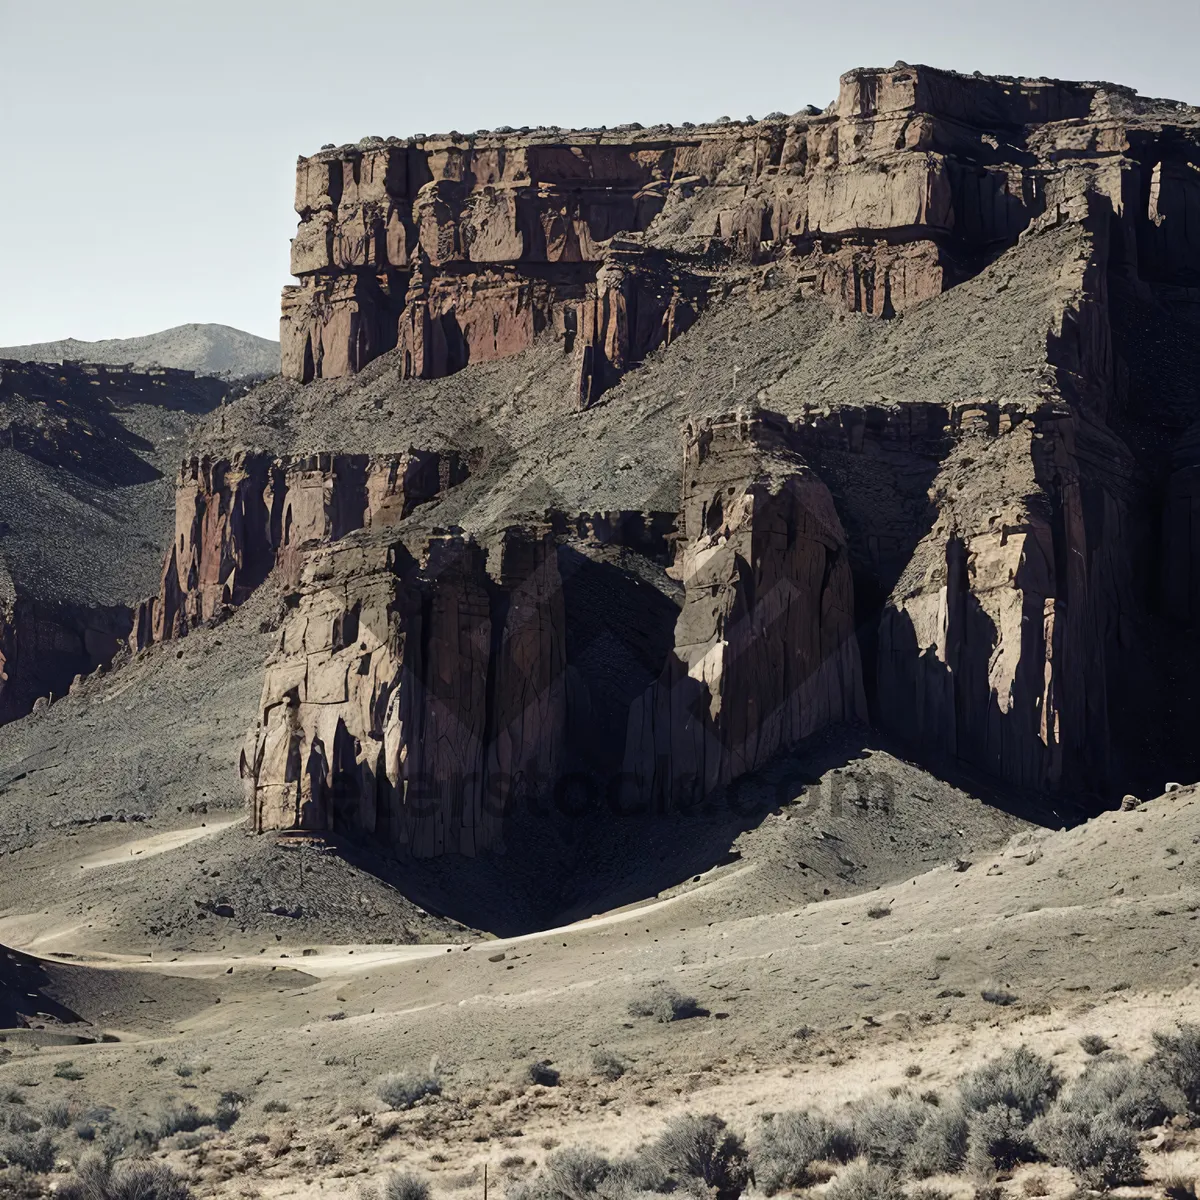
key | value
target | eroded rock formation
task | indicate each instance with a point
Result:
(954, 318)
(994, 646)
(462, 249)
(765, 652)
(414, 694)
(235, 518)
(82, 502)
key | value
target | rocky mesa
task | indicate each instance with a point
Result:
(619, 461)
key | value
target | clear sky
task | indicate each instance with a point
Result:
(148, 146)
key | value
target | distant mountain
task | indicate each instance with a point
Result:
(205, 349)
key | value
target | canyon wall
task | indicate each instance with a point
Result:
(414, 693)
(423, 688)
(765, 651)
(81, 512)
(235, 517)
(997, 643)
(979, 570)
(459, 249)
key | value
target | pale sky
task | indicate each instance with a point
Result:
(149, 146)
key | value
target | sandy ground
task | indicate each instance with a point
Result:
(1089, 930)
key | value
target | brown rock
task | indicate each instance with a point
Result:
(235, 517)
(765, 650)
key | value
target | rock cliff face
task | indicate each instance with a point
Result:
(765, 652)
(413, 694)
(235, 518)
(462, 249)
(931, 353)
(994, 646)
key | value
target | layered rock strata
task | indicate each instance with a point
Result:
(765, 651)
(975, 560)
(460, 249)
(235, 518)
(413, 697)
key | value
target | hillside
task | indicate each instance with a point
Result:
(206, 349)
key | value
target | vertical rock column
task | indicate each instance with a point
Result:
(995, 645)
(412, 696)
(765, 651)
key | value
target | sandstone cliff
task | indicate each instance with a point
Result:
(765, 651)
(234, 518)
(413, 692)
(954, 318)
(462, 249)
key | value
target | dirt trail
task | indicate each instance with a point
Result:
(159, 843)
(324, 962)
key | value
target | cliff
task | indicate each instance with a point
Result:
(463, 249)
(620, 461)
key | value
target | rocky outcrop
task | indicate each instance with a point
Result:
(234, 518)
(765, 651)
(996, 646)
(964, 563)
(425, 689)
(414, 696)
(460, 248)
(46, 645)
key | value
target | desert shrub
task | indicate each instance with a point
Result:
(1179, 1187)
(278, 1106)
(403, 1090)
(176, 1118)
(997, 1140)
(703, 1149)
(1093, 1044)
(997, 993)
(20, 1121)
(32, 1151)
(940, 1144)
(541, 1072)
(229, 1108)
(884, 1130)
(96, 1179)
(68, 1070)
(788, 1144)
(1099, 1150)
(57, 1114)
(664, 1004)
(1018, 1079)
(863, 1180)
(606, 1064)
(1136, 1094)
(405, 1185)
(1178, 1057)
(574, 1173)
